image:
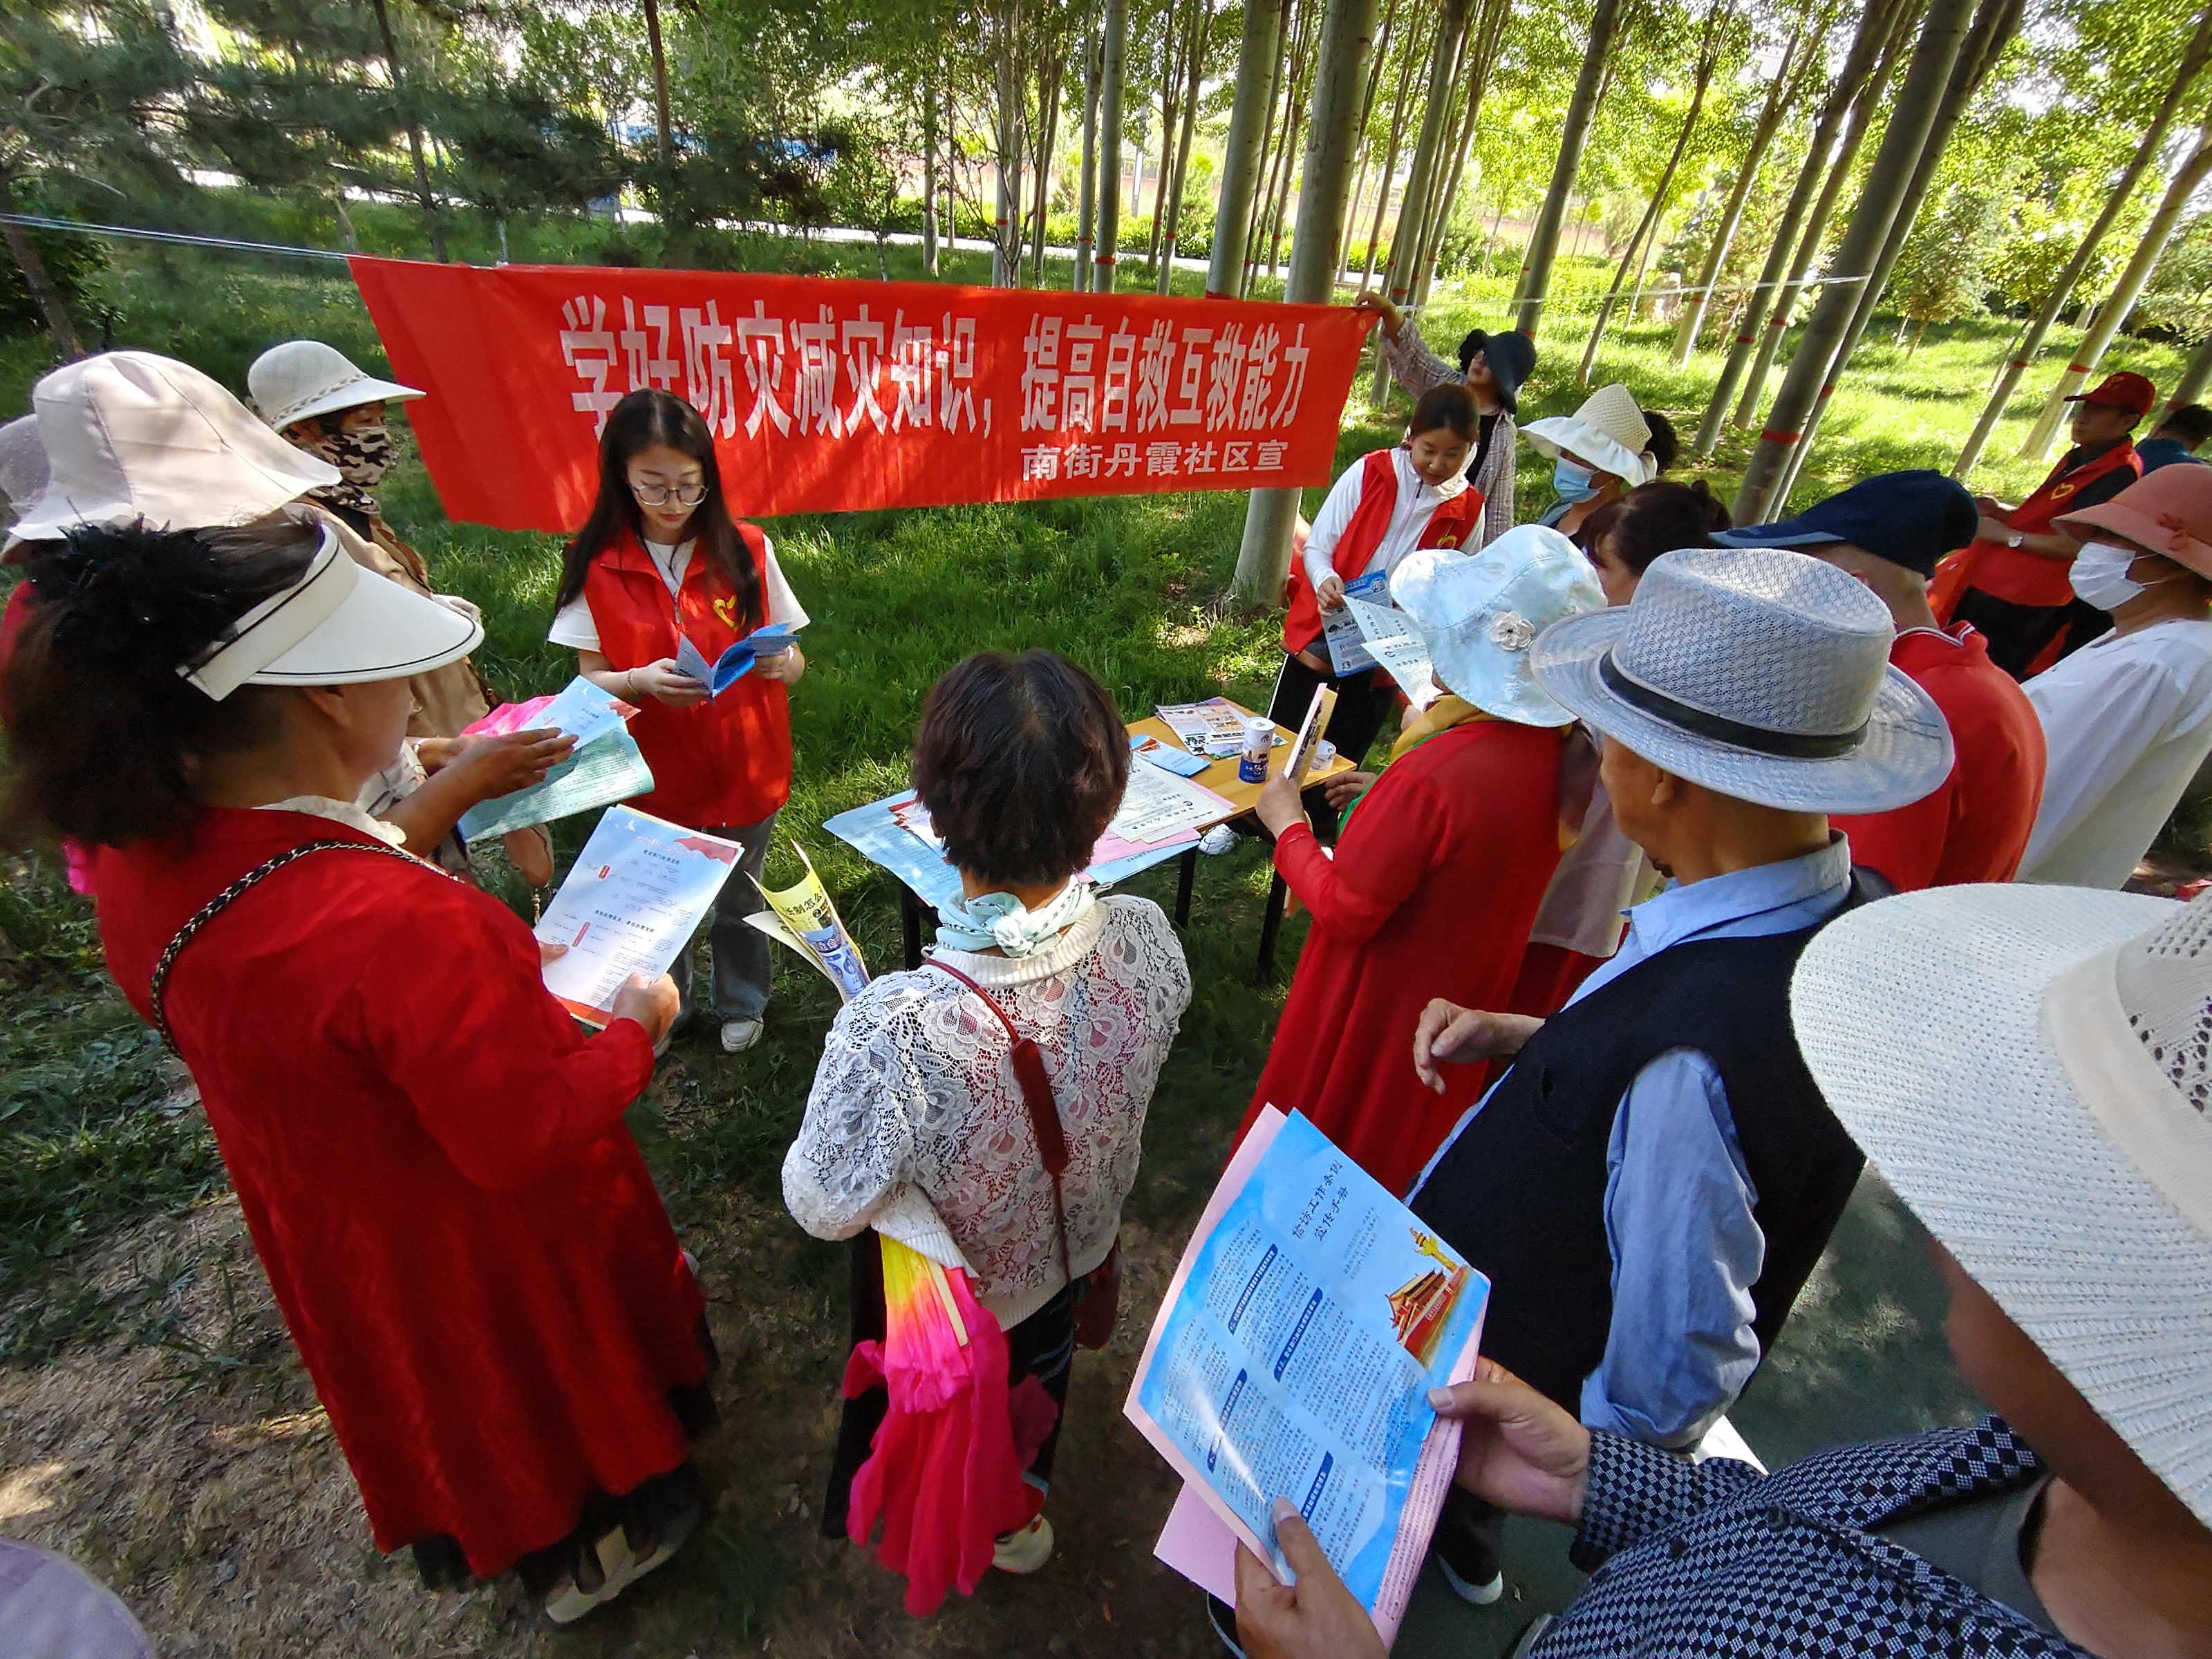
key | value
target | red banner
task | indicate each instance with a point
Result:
(831, 395)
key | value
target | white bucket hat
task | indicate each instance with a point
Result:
(1760, 673)
(1480, 612)
(1608, 431)
(2031, 1069)
(129, 435)
(338, 625)
(301, 379)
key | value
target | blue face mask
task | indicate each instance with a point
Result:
(1572, 481)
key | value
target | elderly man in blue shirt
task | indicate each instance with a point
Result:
(1650, 1184)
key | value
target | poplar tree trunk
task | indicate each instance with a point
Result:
(2192, 173)
(1279, 220)
(1112, 57)
(1390, 160)
(1051, 71)
(2054, 303)
(1240, 160)
(1005, 241)
(1762, 135)
(1086, 206)
(37, 282)
(422, 192)
(1942, 37)
(1484, 32)
(928, 178)
(1866, 48)
(1993, 28)
(1192, 77)
(1170, 84)
(1347, 32)
(1785, 298)
(1406, 239)
(1574, 134)
(1708, 60)
(2190, 387)
(1264, 179)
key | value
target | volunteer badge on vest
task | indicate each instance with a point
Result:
(1447, 541)
(726, 609)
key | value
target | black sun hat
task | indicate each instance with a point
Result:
(1511, 357)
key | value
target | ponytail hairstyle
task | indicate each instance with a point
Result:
(1665, 448)
(105, 734)
(1446, 407)
(639, 423)
(1654, 519)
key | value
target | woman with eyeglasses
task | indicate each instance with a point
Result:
(661, 560)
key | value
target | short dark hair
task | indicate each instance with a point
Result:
(2191, 423)
(102, 729)
(1446, 406)
(1664, 446)
(1654, 519)
(1021, 762)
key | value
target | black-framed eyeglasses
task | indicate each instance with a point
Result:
(654, 495)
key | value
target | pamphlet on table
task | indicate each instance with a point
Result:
(631, 903)
(1214, 727)
(1348, 645)
(1292, 1357)
(734, 663)
(604, 768)
(1180, 761)
(1395, 640)
(802, 917)
(1157, 805)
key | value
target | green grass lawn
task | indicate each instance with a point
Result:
(1130, 587)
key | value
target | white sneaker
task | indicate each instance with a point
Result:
(1024, 1551)
(1475, 1595)
(739, 1035)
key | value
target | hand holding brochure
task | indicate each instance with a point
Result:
(1293, 1358)
(1340, 631)
(802, 917)
(605, 767)
(1311, 731)
(635, 895)
(734, 663)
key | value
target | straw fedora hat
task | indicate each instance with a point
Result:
(2031, 1070)
(302, 379)
(131, 435)
(1762, 674)
(2169, 511)
(1608, 431)
(1480, 612)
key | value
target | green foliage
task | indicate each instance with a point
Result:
(1940, 274)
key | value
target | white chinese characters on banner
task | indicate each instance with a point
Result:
(824, 376)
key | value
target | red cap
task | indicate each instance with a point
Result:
(2121, 391)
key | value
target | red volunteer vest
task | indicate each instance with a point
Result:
(716, 764)
(1454, 524)
(2006, 573)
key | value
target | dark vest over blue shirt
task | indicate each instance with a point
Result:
(1520, 1192)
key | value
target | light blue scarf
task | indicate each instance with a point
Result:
(1003, 922)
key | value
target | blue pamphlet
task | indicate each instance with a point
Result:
(1293, 1356)
(734, 663)
(607, 769)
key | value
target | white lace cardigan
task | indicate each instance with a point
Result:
(916, 1127)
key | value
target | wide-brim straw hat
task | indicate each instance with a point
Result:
(1608, 431)
(2169, 511)
(1758, 673)
(302, 379)
(129, 437)
(2031, 1070)
(1480, 612)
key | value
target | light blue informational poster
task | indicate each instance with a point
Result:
(1293, 1356)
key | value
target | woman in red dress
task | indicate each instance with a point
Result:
(1442, 860)
(465, 1244)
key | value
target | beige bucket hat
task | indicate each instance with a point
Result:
(301, 379)
(1608, 431)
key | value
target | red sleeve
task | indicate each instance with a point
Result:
(1384, 855)
(498, 1073)
(1906, 843)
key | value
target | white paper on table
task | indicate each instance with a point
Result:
(1214, 727)
(631, 903)
(1158, 804)
(1396, 643)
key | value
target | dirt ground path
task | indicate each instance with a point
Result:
(201, 1480)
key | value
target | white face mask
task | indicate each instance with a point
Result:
(2100, 575)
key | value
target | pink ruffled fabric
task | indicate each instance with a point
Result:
(944, 1477)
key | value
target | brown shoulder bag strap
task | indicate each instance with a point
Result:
(157, 988)
(1037, 1096)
